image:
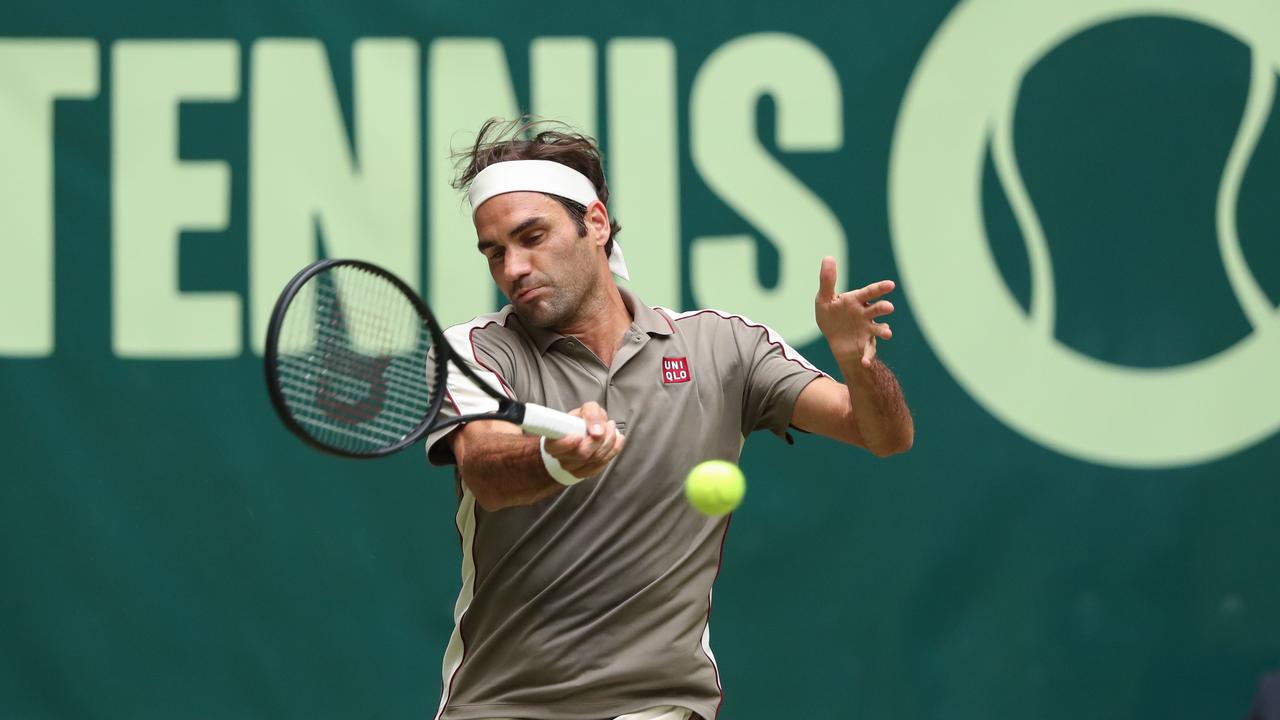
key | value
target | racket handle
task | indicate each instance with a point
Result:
(551, 423)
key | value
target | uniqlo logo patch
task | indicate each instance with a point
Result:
(675, 370)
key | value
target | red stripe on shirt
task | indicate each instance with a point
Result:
(782, 347)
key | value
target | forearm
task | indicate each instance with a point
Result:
(504, 470)
(877, 406)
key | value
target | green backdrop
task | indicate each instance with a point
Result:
(1086, 526)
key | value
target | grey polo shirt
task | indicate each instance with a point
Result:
(596, 602)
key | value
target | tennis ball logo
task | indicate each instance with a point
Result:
(959, 102)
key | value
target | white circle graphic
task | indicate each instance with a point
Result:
(960, 98)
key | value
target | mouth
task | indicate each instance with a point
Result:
(526, 294)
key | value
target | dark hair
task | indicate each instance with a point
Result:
(528, 139)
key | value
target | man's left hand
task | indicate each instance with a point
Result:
(847, 319)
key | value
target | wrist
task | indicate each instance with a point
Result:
(553, 467)
(846, 353)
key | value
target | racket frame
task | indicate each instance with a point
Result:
(509, 410)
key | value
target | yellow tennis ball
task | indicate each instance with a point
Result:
(715, 487)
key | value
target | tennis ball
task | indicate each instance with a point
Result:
(715, 487)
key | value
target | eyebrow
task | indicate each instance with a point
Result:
(486, 244)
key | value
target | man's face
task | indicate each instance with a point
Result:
(536, 256)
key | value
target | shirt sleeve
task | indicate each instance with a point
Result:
(462, 395)
(775, 375)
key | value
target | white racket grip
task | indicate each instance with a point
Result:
(551, 423)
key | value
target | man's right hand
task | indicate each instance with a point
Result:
(587, 455)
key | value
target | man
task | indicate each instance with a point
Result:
(586, 576)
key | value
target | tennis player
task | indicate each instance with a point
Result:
(586, 576)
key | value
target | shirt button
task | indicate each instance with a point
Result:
(636, 338)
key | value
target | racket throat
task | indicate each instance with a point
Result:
(511, 411)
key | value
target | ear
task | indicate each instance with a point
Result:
(596, 219)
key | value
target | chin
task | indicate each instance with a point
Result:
(536, 314)
(543, 314)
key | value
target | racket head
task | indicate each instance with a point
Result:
(355, 362)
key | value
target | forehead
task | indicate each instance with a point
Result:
(499, 215)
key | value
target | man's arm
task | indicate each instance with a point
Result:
(503, 467)
(868, 409)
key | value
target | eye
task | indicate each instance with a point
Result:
(533, 239)
(495, 256)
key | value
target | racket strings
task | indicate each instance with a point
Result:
(377, 421)
(393, 410)
(355, 374)
(396, 369)
(357, 392)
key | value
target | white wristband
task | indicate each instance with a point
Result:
(557, 473)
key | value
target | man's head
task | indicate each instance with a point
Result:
(546, 252)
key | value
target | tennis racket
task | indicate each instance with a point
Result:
(356, 365)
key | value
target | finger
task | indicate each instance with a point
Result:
(880, 309)
(882, 330)
(579, 462)
(827, 280)
(601, 452)
(589, 451)
(869, 352)
(598, 465)
(565, 447)
(874, 291)
(615, 447)
(611, 449)
(595, 417)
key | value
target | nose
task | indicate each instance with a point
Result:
(515, 265)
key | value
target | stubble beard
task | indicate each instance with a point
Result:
(560, 306)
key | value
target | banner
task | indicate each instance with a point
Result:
(1076, 199)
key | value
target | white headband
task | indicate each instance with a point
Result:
(542, 176)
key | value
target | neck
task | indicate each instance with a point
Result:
(602, 324)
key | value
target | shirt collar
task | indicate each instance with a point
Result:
(643, 318)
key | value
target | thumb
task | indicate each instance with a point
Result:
(827, 280)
